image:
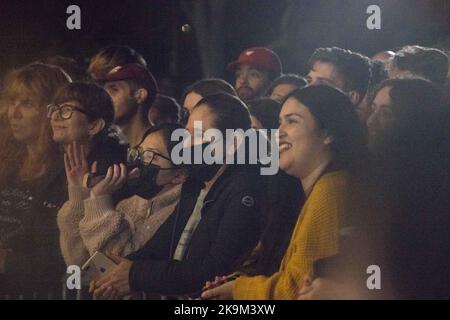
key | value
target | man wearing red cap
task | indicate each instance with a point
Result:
(133, 90)
(254, 70)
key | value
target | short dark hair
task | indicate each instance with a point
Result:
(430, 63)
(166, 129)
(266, 111)
(335, 113)
(92, 98)
(106, 147)
(354, 67)
(167, 106)
(230, 112)
(288, 78)
(378, 74)
(207, 87)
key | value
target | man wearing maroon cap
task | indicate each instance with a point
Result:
(133, 90)
(254, 70)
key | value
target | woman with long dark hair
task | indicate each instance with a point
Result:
(403, 217)
(322, 144)
(410, 145)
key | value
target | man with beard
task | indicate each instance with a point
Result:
(254, 70)
(133, 90)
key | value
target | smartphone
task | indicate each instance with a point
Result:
(96, 266)
(91, 179)
(197, 294)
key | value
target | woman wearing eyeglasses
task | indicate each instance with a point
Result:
(91, 221)
(81, 116)
(31, 186)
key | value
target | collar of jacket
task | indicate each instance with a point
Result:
(193, 186)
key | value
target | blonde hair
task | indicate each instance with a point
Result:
(41, 81)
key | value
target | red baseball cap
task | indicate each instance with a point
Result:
(132, 71)
(259, 58)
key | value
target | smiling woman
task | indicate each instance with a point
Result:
(83, 112)
(322, 144)
(31, 185)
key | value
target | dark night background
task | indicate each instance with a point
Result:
(30, 30)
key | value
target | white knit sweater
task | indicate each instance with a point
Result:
(87, 225)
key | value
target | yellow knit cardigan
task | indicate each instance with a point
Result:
(315, 236)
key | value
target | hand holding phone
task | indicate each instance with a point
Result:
(96, 266)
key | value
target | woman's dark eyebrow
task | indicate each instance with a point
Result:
(292, 114)
(69, 104)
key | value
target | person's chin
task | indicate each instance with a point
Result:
(58, 137)
(284, 165)
(245, 94)
(59, 140)
(20, 137)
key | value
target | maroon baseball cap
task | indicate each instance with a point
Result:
(132, 71)
(259, 58)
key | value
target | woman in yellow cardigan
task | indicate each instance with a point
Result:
(321, 142)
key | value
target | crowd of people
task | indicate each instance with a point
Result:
(364, 179)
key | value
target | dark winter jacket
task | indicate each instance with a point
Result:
(229, 229)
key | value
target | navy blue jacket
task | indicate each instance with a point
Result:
(229, 229)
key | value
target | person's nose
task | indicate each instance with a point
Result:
(55, 116)
(281, 131)
(14, 111)
(242, 78)
(372, 121)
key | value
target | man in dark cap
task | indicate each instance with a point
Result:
(133, 90)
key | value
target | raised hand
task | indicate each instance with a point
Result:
(115, 178)
(75, 163)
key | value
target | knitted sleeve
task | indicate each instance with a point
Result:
(315, 237)
(72, 248)
(105, 228)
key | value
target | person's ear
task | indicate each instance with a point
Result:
(96, 126)
(327, 138)
(140, 95)
(355, 97)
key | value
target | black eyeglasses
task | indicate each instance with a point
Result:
(146, 157)
(65, 110)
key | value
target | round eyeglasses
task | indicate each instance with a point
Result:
(145, 157)
(65, 110)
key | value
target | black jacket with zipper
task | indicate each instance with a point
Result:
(228, 230)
